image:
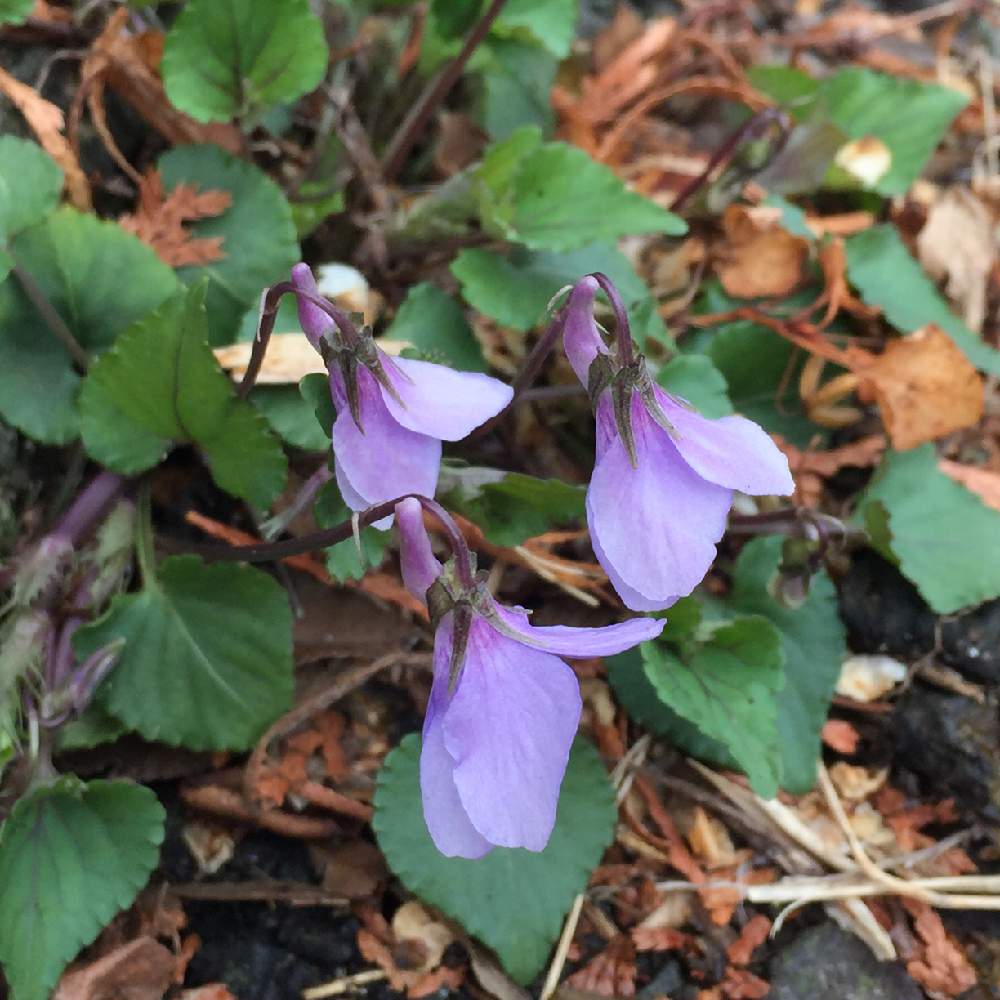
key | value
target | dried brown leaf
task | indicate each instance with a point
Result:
(940, 967)
(47, 122)
(957, 244)
(924, 386)
(160, 218)
(610, 973)
(140, 970)
(840, 735)
(753, 935)
(757, 257)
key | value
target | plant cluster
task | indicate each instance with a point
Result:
(109, 340)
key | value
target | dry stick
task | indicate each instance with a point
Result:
(259, 890)
(562, 949)
(53, 320)
(344, 984)
(413, 124)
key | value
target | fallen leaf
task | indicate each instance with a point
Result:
(757, 257)
(140, 970)
(610, 973)
(710, 840)
(983, 482)
(159, 221)
(957, 244)
(353, 870)
(923, 384)
(741, 984)
(854, 782)
(753, 935)
(289, 358)
(47, 122)
(412, 924)
(840, 735)
(941, 967)
(867, 676)
(211, 844)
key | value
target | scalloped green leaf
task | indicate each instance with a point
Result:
(230, 58)
(258, 233)
(30, 180)
(71, 856)
(512, 900)
(15, 11)
(207, 662)
(344, 561)
(944, 538)
(159, 385)
(100, 280)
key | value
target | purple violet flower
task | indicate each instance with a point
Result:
(664, 476)
(504, 707)
(392, 413)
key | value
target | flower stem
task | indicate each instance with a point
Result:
(90, 507)
(413, 124)
(623, 330)
(145, 546)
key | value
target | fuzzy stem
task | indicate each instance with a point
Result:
(413, 125)
(55, 322)
(459, 546)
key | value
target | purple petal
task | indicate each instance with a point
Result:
(314, 321)
(387, 460)
(440, 401)
(567, 640)
(582, 340)
(447, 821)
(631, 597)
(509, 728)
(654, 527)
(419, 567)
(732, 451)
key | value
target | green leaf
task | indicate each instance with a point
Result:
(726, 686)
(15, 11)
(761, 371)
(228, 58)
(160, 384)
(95, 726)
(885, 275)
(207, 662)
(30, 179)
(71, 856)
(100, 280)
(909, 116)
(635, 691)
(315, 390)
(509, 506)
(553, 196)
(290, 416)
(945, 539)
(435, 324)
(343, 561)
(515, 290)
(551, 23)
(257, 230)
(514, 82)
(512, 900)
(453, 18)
(693, 377)
(814, 644)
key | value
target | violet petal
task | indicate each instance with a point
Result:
(509, 728)
(417, 562)
(654, 526)
(582, 341)
(439, 401)
(731, 451)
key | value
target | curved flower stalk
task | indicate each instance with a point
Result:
(504, 707)
(664, 476)
(392, 413)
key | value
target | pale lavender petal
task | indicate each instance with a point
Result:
(567, 640)
(314, 321)
(732, 451)
(655, 526)
(509, 728)
(582, 341)
(631, 597)
(416, 557)
(439, 401)
(387, 460)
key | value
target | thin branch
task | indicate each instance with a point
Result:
(413, 125)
